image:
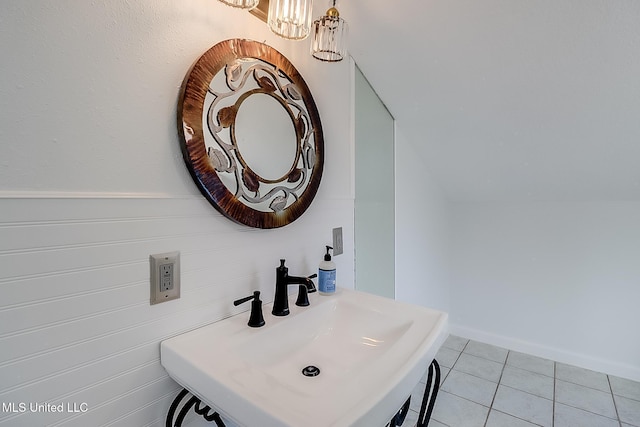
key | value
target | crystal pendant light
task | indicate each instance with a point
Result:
(329, 36)
(242, 4)
(290, 19)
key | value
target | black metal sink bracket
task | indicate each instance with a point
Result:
(205, 411)
(430, 394)
(428, 402)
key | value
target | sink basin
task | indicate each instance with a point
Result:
(370, 352)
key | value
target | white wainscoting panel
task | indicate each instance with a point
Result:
(76, 325)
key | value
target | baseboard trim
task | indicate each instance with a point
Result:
(563, 356)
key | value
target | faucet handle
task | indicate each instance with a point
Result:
(304, 291)
(303, 296)
(245, 299)
(255, 319)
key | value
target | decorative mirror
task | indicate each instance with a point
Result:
(251, 134)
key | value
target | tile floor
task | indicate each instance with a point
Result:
(487, 386)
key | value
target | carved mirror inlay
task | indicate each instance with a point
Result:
(251, 134)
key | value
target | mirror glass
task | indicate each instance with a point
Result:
(271, 158)
(374, 192)
(251, 134)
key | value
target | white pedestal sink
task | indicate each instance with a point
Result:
(370, 352)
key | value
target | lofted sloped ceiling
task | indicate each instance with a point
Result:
(510, 100)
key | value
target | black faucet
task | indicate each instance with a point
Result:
(255, 320)
(283, 281)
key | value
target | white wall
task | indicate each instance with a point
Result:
(92, 181)
(557, 279)
(519, 101)
(422, 230)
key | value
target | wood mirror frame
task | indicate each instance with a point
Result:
(206, 124)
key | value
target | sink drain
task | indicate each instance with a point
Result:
(311, 371)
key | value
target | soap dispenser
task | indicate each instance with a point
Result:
(327, 275)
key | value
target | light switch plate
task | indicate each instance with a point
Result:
(337, 241)
(165, 277)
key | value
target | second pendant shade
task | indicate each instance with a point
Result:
(329, 36)
(290, 19)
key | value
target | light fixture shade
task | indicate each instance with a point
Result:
(242, 4)
(329, 41)
(290, 19)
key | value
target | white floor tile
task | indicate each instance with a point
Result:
(500, 419)
(625, 388)
(411, 419)
(629, 410)
(586, 398)
(455, 343)
(447, 357)
(531, 382)
(416, 397)
(470, 396)
(581, 376)
(479, 367)
(444, 372)
(423, 378)
(525, 406)
(434, 423)
(475, 389)
(531, 363)
(566, 416)
(487, 351)
(455, 411)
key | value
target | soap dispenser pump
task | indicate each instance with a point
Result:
(327, 275)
